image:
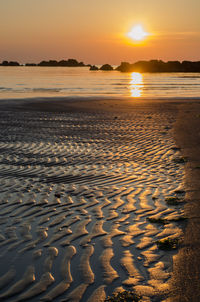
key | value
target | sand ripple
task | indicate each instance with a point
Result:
(91, 180)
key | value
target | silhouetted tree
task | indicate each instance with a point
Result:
(11, 63)
(160, 66)
(93, 67)
(62, 63)
(30, 64)
(106, 67)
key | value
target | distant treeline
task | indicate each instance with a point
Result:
(160, 66)
(11, 63)
(50, 63)
(140, 66)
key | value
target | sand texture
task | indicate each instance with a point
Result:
(82, 191)
(185, 281)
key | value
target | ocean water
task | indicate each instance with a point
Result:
(29, 82)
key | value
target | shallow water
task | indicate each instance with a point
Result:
(25, 82)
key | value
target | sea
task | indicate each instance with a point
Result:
(33, 82)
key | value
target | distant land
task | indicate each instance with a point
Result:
(50, 63)
(160, 66)
(140, 66)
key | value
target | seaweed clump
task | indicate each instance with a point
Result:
(125, 296)
(157, 220)
(180, 160)
(172, 200)
(178, 219)
(179, 191)
(168, 244)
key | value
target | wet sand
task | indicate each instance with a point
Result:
(186, 279)
(84, 188)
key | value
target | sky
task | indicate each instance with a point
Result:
(95, 31)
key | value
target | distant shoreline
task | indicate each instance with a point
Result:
(152, 66)
(62, 104)
(62, 100)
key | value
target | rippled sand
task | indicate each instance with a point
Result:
(77, 190)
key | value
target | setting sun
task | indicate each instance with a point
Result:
(137, 33)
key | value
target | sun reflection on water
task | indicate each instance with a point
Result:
(136, 84)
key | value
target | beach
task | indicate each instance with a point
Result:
(90, 189)
(185, 280)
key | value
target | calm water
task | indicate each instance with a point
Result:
(21, 82)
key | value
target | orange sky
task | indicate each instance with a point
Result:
(94, 31)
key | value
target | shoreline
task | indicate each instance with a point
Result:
(74, 103)
(142, 113)
(78, 98)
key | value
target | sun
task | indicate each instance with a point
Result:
(137, 33)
